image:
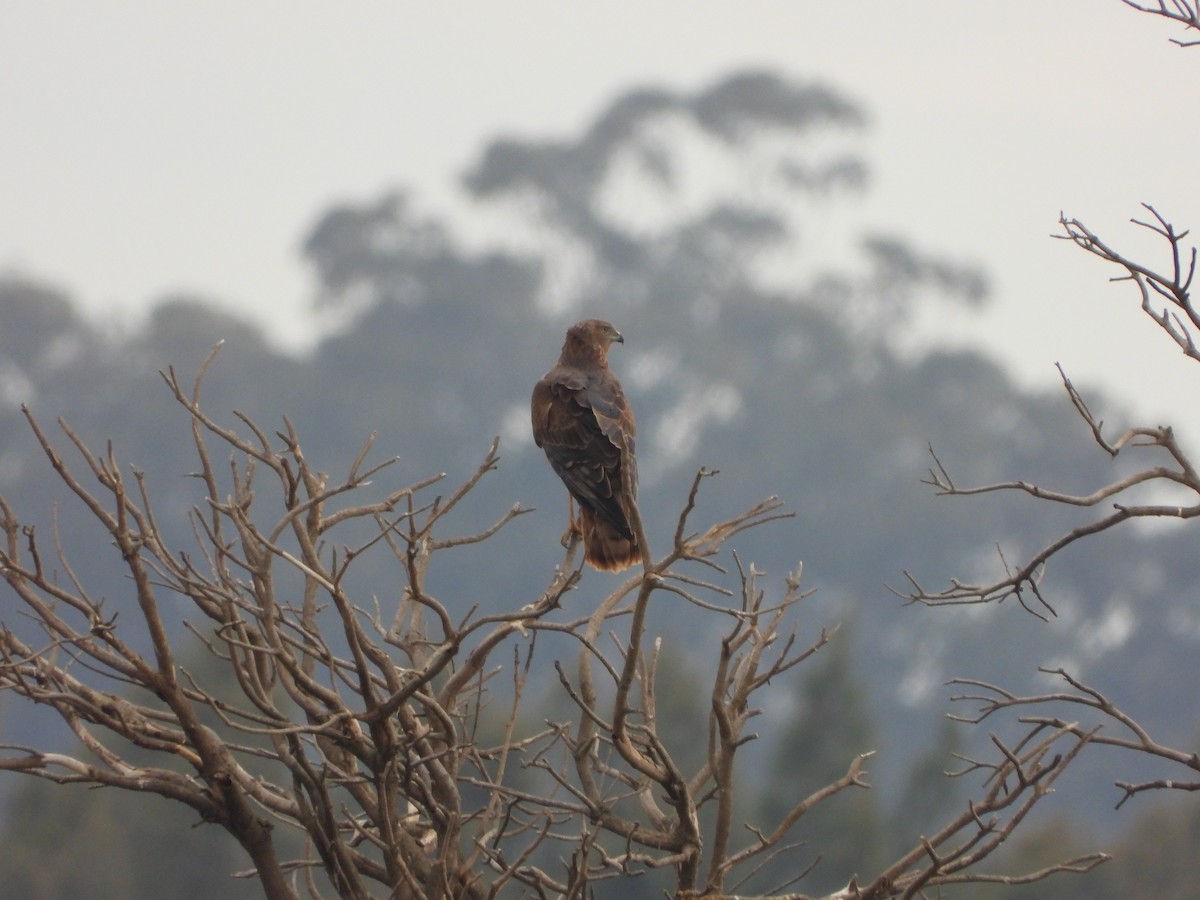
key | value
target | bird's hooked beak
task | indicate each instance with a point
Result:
(617, 337)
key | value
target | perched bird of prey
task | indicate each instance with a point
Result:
(583, 421)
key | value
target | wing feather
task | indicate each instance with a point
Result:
(583, 423)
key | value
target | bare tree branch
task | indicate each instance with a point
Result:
(1130, 735)
(1185, 11)
(1166, 297)
(1023, 581)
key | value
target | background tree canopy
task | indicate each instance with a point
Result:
(767, 336)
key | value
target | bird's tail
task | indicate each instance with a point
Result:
(606, 547)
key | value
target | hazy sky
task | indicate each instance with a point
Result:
(151, 148)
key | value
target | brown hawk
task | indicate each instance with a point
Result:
(583, 421)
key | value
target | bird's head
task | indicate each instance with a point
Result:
(591, 338)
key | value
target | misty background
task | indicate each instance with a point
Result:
(812, 287)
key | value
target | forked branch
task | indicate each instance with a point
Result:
(1023, 581)
(1045, 710)
(1186, 12)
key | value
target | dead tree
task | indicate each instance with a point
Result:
(386, 732)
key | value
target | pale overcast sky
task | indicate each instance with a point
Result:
(151, 148)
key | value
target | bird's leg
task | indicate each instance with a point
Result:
(574, 530)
